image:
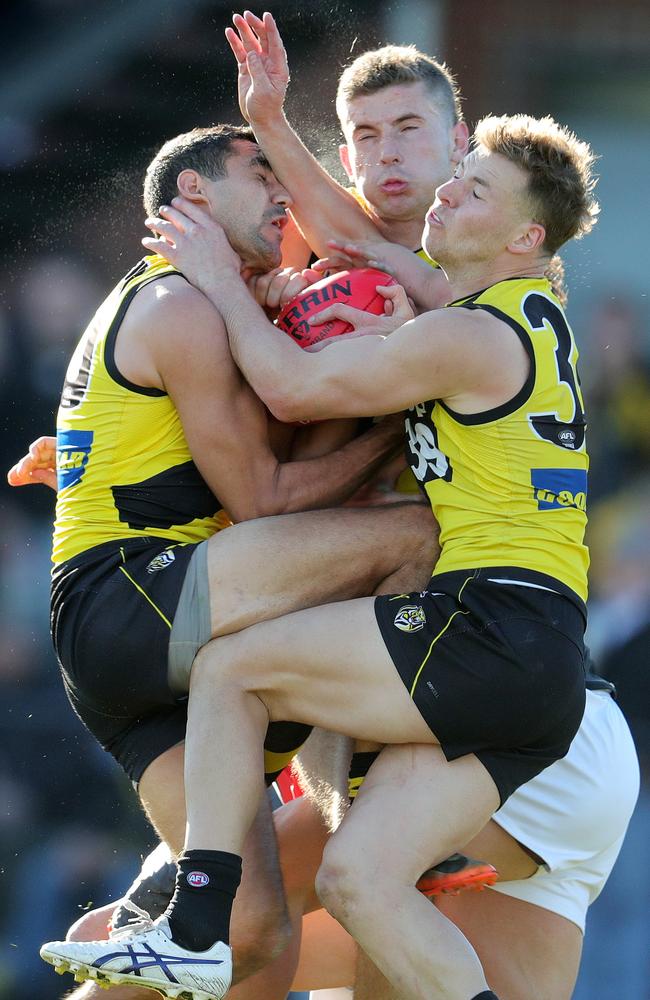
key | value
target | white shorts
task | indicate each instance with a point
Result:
(575, 813)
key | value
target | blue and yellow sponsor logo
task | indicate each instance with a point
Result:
(72, 453)
(557, 488)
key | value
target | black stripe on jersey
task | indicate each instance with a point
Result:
(176, 496)
(111, 336)
(486, 416)
(467, 300)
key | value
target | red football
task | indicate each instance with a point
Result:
(357, 288)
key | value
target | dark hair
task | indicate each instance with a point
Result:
(203, 149)
(379, 68)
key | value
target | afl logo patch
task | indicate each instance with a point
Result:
(161, 561)
(567, 437)
(197, 879)
(410, 618)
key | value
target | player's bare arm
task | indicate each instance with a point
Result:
(470, 359)
(172, 321)
(321, 206)
(427, 287)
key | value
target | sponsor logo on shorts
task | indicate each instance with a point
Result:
(410, 618)
(72, 453)
(161, 561)
(197, 880)
(557, 488)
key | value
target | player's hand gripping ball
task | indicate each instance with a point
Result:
(356, 288)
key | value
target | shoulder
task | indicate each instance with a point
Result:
(172, 302)
(170, 315)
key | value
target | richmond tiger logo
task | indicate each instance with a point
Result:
(410, 618)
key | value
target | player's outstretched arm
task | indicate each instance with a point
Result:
(322, 208)
(447, 353)
(37, 466)
(426, 286)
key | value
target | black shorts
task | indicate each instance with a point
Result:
(496, 669)
(111, 618)
(112, 612)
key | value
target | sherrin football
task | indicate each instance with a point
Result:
(356, 288)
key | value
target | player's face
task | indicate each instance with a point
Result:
(479, 212)
(400, 147)
(250, 204)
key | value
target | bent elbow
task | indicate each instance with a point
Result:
(290, 407)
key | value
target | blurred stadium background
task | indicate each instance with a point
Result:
(88, 92)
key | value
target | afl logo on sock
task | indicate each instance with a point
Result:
(410, 618)
(197, 879)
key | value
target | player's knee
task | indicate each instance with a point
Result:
(259, 939)
(219, 663)
(341, 881)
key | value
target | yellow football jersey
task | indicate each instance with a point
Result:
(123, 465)
(508, 486)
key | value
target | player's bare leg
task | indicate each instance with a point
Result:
(301, 836)
(526, 950)
(263, 569)
(411, 800)
(494, 944)
(329, 666)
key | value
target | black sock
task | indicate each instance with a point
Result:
(199, 912)
(359, 767)
(486, 995)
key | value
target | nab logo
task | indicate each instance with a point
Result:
(557, 488)
(197, 879)
(410, 618)
(161, 561)
(72, 453)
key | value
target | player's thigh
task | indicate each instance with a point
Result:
(498, 848)
(414, 805)
(327, 666)
(268, 567)
(527, 951)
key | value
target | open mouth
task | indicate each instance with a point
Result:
(434, 219)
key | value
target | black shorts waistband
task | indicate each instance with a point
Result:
(504, 575)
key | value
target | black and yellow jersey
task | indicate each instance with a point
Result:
(123, 465)
(508, 486)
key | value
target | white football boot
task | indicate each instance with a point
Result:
(143, 954)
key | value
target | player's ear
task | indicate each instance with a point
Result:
(190, 185)
(460, 138)
(529, 239)
(344, 157)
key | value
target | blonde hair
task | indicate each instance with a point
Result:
(559, 170)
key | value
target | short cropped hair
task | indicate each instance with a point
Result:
(559, 168)
(379, 68)
(203, 149)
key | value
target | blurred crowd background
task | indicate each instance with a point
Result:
(89, 91)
